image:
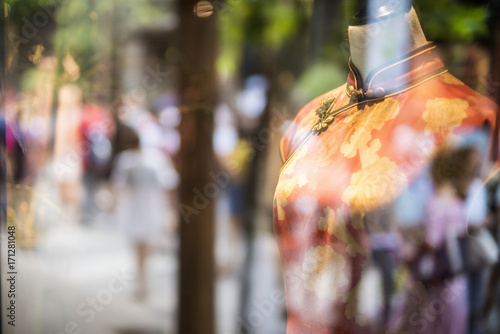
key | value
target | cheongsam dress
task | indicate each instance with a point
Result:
(347, 153)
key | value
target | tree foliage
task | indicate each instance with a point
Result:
(452, 20)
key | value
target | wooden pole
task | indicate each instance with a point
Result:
(495, 70)
(197, 47)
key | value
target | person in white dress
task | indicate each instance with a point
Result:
(142, 179)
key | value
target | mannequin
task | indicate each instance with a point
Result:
(381, 41)
(348, 157)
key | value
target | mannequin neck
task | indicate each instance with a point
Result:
(375, 44)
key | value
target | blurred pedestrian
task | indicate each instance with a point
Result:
(493, 284)
(477, 210)
(142, 178)
(452, 173)
(68, 148)
(97, 129)
(385, 244)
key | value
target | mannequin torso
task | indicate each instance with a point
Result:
(349, 157)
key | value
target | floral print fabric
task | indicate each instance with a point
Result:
(363, 158)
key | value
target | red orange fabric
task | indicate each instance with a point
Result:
(337, 169)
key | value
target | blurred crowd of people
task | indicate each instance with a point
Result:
(116, 162)
(444, 229)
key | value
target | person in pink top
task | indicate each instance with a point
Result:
(452, 172)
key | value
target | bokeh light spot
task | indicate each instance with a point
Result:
(203, 9)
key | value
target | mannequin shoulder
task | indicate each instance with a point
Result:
(445, 93)
(304, 121)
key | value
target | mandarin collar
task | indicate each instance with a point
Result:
(396, 76)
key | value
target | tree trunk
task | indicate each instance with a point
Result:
(198, 190)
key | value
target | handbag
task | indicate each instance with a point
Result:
(479, 251)
(438, 265)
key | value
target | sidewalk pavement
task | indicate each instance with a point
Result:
(83, 278)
